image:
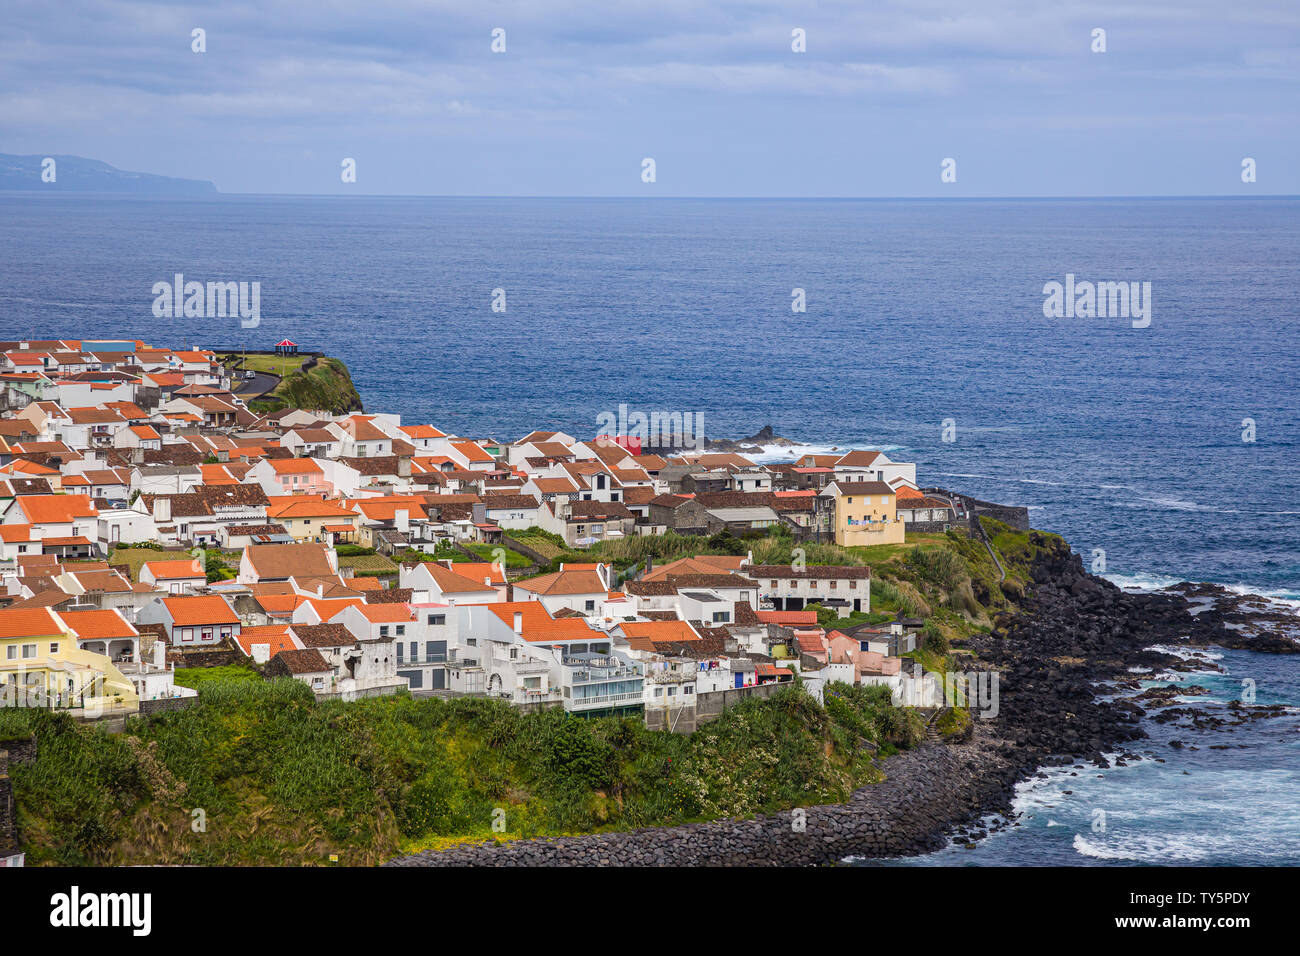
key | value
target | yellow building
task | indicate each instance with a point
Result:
(306, 519)
(42, 666)
(866, 512)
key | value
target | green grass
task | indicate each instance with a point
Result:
(485, 552)
(327, 386)
(285, 780)
(133, 558)
(549, 546)
(368, 564)
(275, 364)
(197, 677)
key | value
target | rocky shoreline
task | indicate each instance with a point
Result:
(1071, 633)
(926, 790)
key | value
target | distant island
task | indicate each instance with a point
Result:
(77, 174)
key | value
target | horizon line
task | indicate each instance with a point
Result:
(97, 194)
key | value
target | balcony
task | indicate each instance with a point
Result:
(676, 676)
(458, 658)
(422, 659)
(605, 700)
(526, 667)
(522, 695)
(596, 675)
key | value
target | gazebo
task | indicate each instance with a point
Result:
(285, 347)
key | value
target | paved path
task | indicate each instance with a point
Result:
(260, 384)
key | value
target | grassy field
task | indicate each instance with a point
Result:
(327, 386)
(485, 552)
(282, 779)
(368, 564)
(547, 545)
(281, 365)
(132, 558)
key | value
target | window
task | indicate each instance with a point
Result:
(590, 605)
(401, 659)
(383, 630)
(438, 619)
(688, 689)
(833, 584)
(773, 584)
(401, 630)
(11, 652)
(415, 649)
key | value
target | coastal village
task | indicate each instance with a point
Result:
(151, 519)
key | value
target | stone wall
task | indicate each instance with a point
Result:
(13, 751)
(523, 549)
(679, 720)
(709, 706)
(164, 704)
(21, 749)
(925, 790)
(686, 719)
(8, 823)
(221, 654)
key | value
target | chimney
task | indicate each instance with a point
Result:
(402, 519)
(159, 654)
(162, 508)
(519, 622)
(261, 653)
(487, 579)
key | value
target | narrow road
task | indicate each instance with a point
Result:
(258, 385)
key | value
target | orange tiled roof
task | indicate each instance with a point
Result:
(199, 610)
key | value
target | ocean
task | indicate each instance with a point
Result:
(1225, 797)
(1161, 453)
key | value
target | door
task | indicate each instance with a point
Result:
(740, 680)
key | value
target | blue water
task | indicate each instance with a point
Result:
(1125, 440)
(1201, 807)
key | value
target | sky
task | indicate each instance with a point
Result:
(711, 90)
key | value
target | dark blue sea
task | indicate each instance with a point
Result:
(1129, 441)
